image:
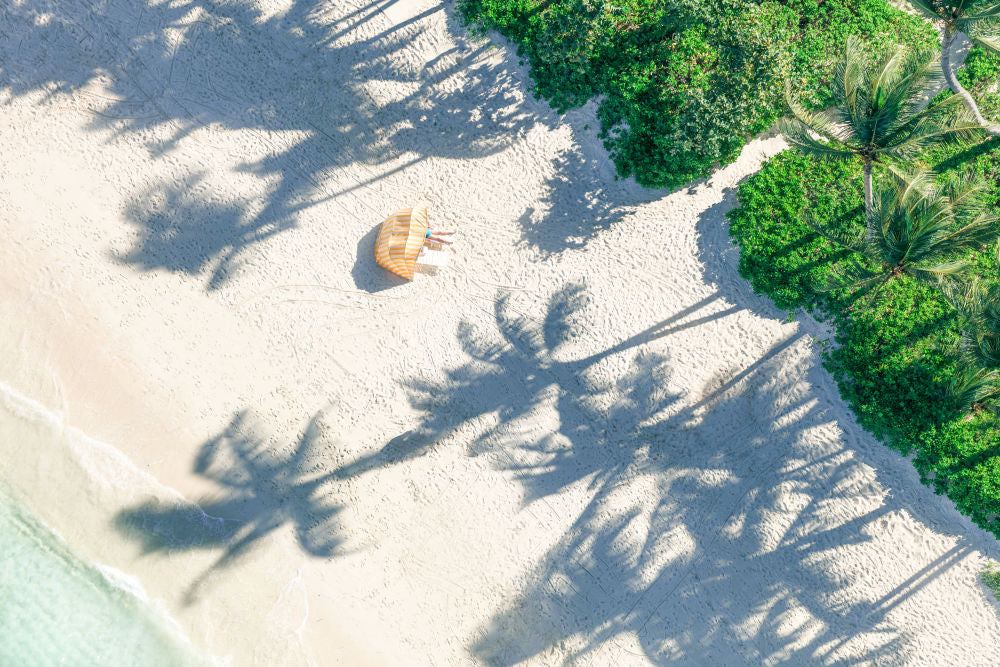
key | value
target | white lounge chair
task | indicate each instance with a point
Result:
(433, 256)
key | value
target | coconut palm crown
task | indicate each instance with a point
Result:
(882, 115)
(979, 309)
(976, 383)
(916, 228)
(980, 20)
(975, 388)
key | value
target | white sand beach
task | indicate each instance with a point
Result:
(586, 440)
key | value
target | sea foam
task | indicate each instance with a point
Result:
(57, 618)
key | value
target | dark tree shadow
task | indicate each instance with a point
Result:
(582, 199)
(510, 381)
(319, 88)
(616, 573)
(262, 489)
(184, 231)
(705, 537)
(720, 259)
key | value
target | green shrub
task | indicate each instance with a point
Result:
(897, 349)
(894, 358)
(781, 256)
(823, 31)
(981, 69)
(991, 577)
(669, 118)
(684, 83)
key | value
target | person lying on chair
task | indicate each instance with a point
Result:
(437, 235)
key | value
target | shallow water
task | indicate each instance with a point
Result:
(55, 608)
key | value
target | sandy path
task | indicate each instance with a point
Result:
(588, 439)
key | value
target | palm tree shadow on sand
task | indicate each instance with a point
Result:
(316, 88)
(582, 198)
(262, 490)
(706, 535)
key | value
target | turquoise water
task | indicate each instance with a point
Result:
(56, 609)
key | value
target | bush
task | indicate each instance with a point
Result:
(684, 83)
(991, 577)
(981, 69)
(780, 255)
(896, 350)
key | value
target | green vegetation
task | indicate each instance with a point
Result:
(684, 83)
(880, 117)
(991, 577)
(976, 18)
(981, 69)
(910, 356)
(781, 255)
(898, 351)
(894, 245)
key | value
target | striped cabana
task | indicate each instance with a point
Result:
(400, 239)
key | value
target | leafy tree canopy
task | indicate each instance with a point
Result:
(685, 83)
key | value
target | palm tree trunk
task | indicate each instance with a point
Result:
(956, 87)
(868, 186)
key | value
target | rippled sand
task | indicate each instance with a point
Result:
(586, 439)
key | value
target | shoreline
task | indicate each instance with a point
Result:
(105, 482)
(514, 460)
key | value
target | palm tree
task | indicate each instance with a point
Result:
(976, 18)
(979, 308)
(881, 116)
(917, 229)
(974, 388)
(977, 381)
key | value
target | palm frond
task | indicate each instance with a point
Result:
(924, 230)
(982, 346)
(899, 86)
(971, 236)
(966, 195)
(935, 273)
(926, 8)
(854, 242)
(924, 129)
(924, 77)
(978, 308)
(972, 385)
(981, 11)
(945, 104)
(910, 191)
(798, 134)
(988, 42)
(964, 297)
(848, 85)
(820, 122)
(900, 174)
(888, 73)
(850, 275)
(918, 125)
